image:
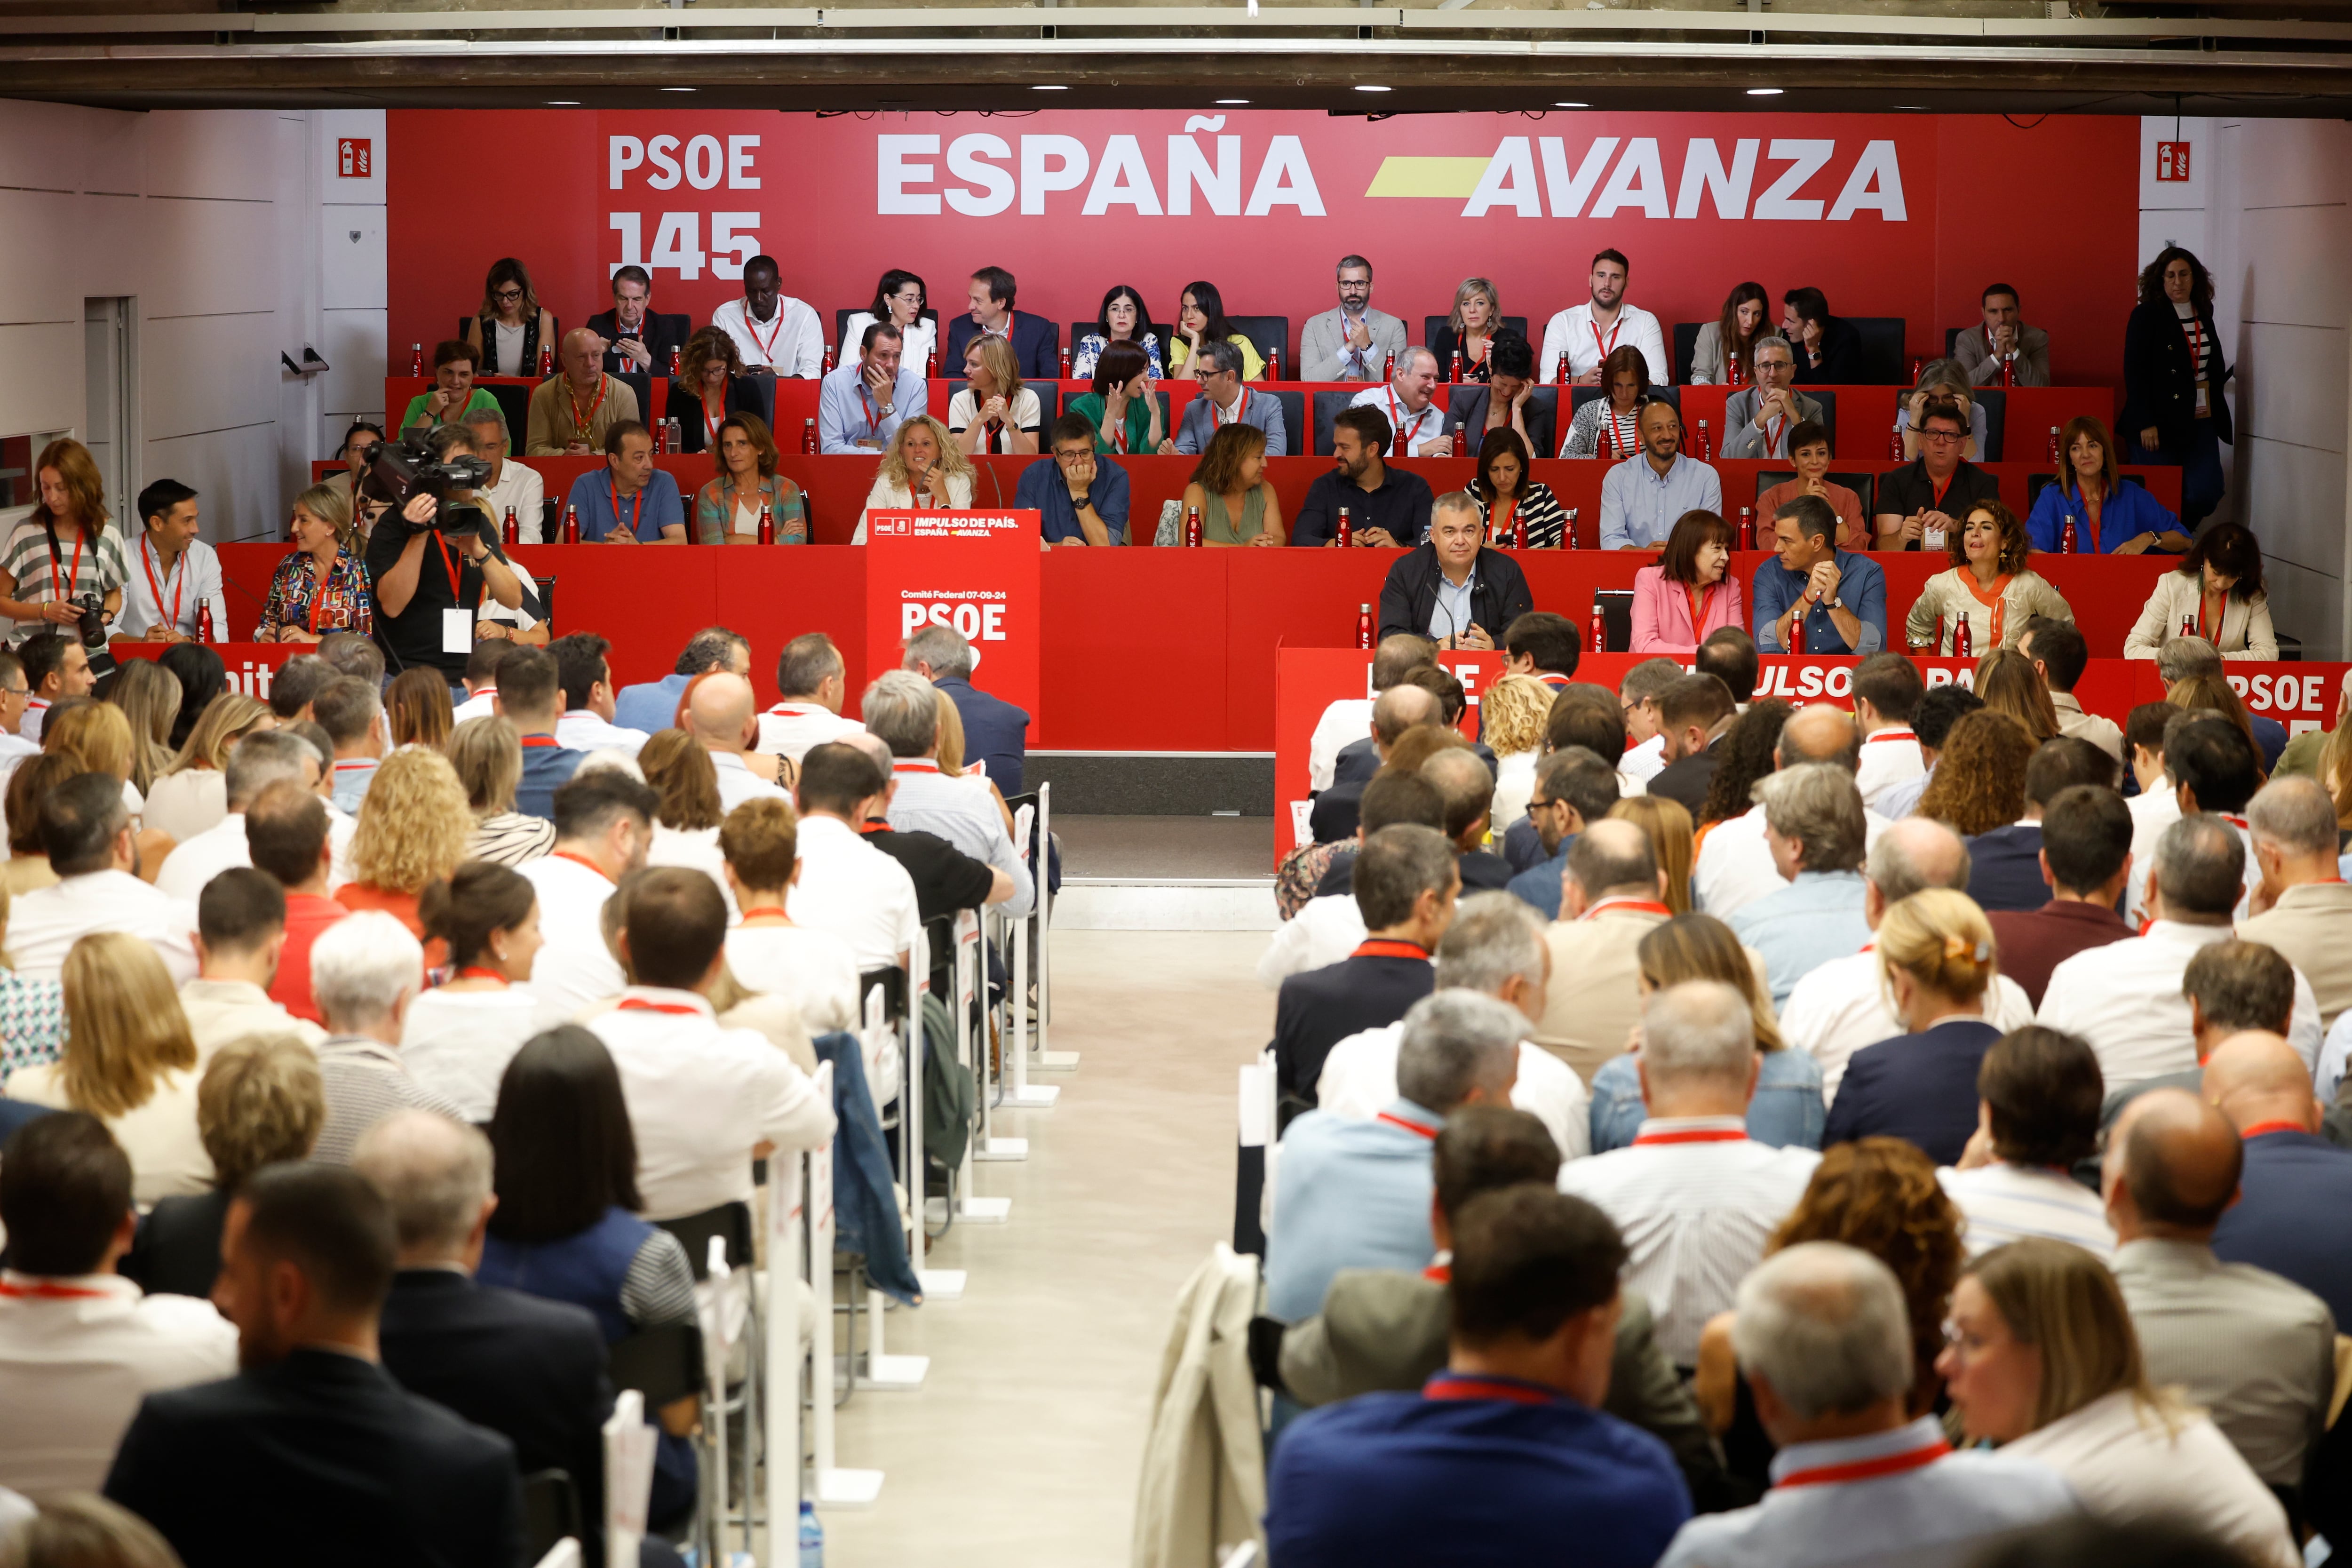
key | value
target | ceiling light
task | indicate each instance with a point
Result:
(1571, 105)
(1919, 105)
(1763, 92)
(1369, 86)
(1232, 100)
(562, 103)
(1049, 87)
(678, 89)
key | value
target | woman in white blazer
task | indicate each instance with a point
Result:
(2215, 593)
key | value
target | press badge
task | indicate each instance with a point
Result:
(456, 631)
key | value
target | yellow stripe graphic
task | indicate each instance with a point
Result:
(1456, 177)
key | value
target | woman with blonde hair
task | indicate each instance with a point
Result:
(193, 794)
(1936, 961)
(63, 548)
(2007, 682)
(2042, 1358)
(1230, 490)
(994, 413)
(487, 755)
(321, 585)
(415, 823)
(1671, 841)
(95, 736)
(1469, 331)
(1786, 1110)
(2210, 693)
(1979, 783)
(129, 1061)
(150, 699)
(417, 705)
(923, 471)
(1516, 709)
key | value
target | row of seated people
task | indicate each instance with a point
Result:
(261, 1014)
(1926, 1041)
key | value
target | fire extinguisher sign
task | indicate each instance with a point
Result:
(354, 157)
(2172, 160)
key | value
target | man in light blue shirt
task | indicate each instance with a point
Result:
(1843, 592)
(628, 500)
(1356, 1195)
(860, 406)
(1824, 1340)
(651, 705)
(1643, 497)
(1813, 824)
(901, 711)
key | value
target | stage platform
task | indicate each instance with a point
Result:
(1164, 873)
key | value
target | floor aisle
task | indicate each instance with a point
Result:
(1023, 1447)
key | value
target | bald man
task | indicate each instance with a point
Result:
(723, 717)
(1734, 868)
(1395, 710)
(2254, 1350)
(570, 412)
(1467, 788)
(2293, 1213)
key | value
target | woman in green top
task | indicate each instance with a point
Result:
(1123, 408)
(1237, 506)
(454, 393)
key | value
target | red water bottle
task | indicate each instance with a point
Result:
(1388, 371)
(2008, 370)
(1964, 639)
(767, 524)
(1797, 629)
(1895, 445)
(571, 525)
(1600, 629)
(824, 365)
(205, 620)
(2053, 443)
(808, 437)
(416, 359)
(1461, 443)
(677, 360)
(1453, 371)
(1565, 377)
(546, 360)
(1191, 528)
(1706, 443)
(1747, 540)
(2066, 545)
(1735, 370)
(661, 436)
(1274, 364)
(1919, 368)
(1364, 638)
(1519, 527)
(2188, 626)
(1347, 530)
(1065, 364)
(1568, 531)
(512, 533)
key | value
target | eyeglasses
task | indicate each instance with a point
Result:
(1964, 1342)
(1544, 804)
(508, 295)
(16, 691)
(1941, 437)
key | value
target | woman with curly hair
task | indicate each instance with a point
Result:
(1979, 783)
(415, 823)
(1881, 1196)
(1516, 709)
(1989, 588)
(924, 470)
(709, 389)
(2008, 683)
(1742, 756)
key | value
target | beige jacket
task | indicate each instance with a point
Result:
(2095, 728)
(1203, 1485)
(2246, 631)
(1593, 1005)
(1945, 599)
(2312, 926)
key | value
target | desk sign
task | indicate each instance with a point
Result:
(976, 571)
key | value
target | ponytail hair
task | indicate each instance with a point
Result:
(480, 897)
(1942, 940)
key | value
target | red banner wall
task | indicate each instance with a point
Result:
(1889, 215)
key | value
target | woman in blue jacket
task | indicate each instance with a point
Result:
(2110, 518)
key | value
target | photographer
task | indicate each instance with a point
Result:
(62, 562)
(434, 557)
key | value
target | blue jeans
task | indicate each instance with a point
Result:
(2201, 471)
(1787, 1112)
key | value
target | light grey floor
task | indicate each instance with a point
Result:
(1023, 1446)
(1166, 846)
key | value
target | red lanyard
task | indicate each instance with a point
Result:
(914, 765)
(1601, 347)
(637, 506)
(1396, 420)
(1772, 436)
(873, 416)
(639, 1004)
(1867, 1469)
(64, 591)
(46, 1291)
(1696, 1135)
(1429, 1133)
(1388, 947)
(566, 854)
(2193, 328)
(775, 909)
(2259, 1128)
(1241, 409)
(579, 426)
(1447, 1385)
(147, 563)
(1698, 607)
(1119, 431)
(768, 343)
(1896, 734)
(1499, 530)
(1941, 487)
(1619, 444)
(476, 971)
(529, 740)
(449, 563)
(2219, 620)
(1638, 906)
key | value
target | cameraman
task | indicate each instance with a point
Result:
(431, 563)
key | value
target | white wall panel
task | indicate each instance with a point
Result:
(2291, 383)
(2299, 275)
(207, 372)
(229, 155)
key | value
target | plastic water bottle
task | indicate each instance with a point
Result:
(676, 433)
(1364, 638)
(812, 1536)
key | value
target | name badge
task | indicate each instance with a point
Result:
(456, 631)
(1931, 539)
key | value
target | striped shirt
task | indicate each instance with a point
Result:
(659, 1286)
(98, 567)
(365, 1081)
(1695, 1199)
(510, 838)
(2004, 1203)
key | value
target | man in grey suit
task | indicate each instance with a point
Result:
(1758, 419)
(2257, 1353)
(1385, 1329)
(1354, 341)
(1223, 400)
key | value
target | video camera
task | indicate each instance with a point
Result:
(408, 468)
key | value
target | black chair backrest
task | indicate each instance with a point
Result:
(1167, 335)
(1864, 486)
(1581, 396)
(550, 1513)
(765, 388)
(892, 983)
(731, 1222)
(1996, 406)
(1616, 617)
(2036, 483)
(1882, 364)
(1432, 325)
(1828, 400)
(663, 1363)
(1685, 350)
(1952, 340)
(1270, 335)
(845, 349)
(1326, 409)
(514, 402)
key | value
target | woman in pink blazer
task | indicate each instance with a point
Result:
(1686, 597)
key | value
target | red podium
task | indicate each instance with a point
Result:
(974, 570)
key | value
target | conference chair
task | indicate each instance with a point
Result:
(514, 402)
(845, 351)
(1617, 615)
(665, 1364)
(1685, 350)
(1432, 325)
(551, 1511)
(1270, 335)
(1996, 406)
(1167, 336)
(1327, 405)
(1882, 364)
(1049, 407)
(1864, 486)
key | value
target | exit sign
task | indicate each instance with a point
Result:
(355, 158)
(2172, 160)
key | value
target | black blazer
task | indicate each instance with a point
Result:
(1465, 410)
(996, 732)
(1358, 761)
(662, 334)
(1840, 356)
(1922, 1088)
(2005, 869)
(2160, 384)
(1320, 1007)
(742, 398)
(1500, 596)
(1035, 346)
(320, 1458)
(177, 1250)
(1444, 347)
(528, 1369)
(1686, 780)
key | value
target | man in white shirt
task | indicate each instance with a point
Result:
(604, 826)
(1842, 1005)
(1887, 692)
(776, 333)
(584, 670)
(704, 1100)
(513, 487)
(1638, 692)
(1587, 332)
(846, 886)
(1735, 865)
(902, 709)
(79, 1345)
(86, 832)
(2126, 997)
(1352, 342)
(1347, 720)
(175, 577)
(1494, 946)
(2209, 765)
(15, 692)
(254, 763)
(2038, 1113)
(1330, 926)
(722, 717)
(240, 932)
(1409, 405)
(1693, 1197)
(811, 683)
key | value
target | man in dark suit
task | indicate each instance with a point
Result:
(1467, 787)
(2293, 1213)
(1037, 341)
(995, 733)
(312, 1452)
(2084, 859)
(1695, 712)
(2005, 864)
(1399, 708)
(633, 320)
(1405, 886)
(531, 1368)
(1450, 588)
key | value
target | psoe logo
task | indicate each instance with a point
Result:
(883, 524)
